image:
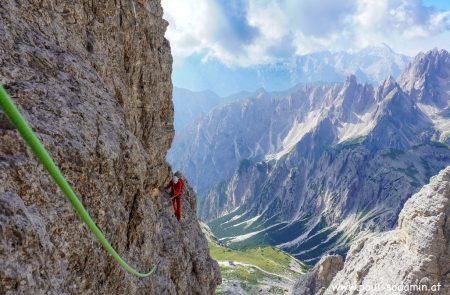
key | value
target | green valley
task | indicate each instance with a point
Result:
(254, 270)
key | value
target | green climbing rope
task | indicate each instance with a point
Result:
(41, 153)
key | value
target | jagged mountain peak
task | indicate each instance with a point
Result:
(400, 122)
(354, 100)
(350, 80)
(387, 86)
(432, 54)
(433, 62)
(427, 77)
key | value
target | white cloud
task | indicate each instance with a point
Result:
(191, 25)
(407, 18)
(271, 30)
(406, 25)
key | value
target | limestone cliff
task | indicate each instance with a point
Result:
(93, 79)
(414, 255)
(319, 278)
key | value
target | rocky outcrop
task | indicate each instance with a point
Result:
(414, 255)
(318, 279)
(93, 79)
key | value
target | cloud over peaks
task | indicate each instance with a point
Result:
(248, 32)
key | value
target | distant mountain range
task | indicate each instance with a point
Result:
(192, 105)
(311, 169)
(372, 64)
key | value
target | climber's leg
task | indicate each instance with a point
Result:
(178, 208)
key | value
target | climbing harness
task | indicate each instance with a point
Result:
(44, 157)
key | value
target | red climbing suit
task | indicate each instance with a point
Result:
(175, 191)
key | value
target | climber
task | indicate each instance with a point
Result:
(175, 188)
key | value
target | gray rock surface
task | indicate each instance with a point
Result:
(93, 79)
(319, 278)
(428, 78)
(415, 254)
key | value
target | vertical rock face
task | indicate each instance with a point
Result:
(415, 254)
(93, 79)
(319, 278)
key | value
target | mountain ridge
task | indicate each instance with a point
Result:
(371, 64)
(330, 163)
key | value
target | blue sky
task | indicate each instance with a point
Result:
(441, 4)
(250, 32)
